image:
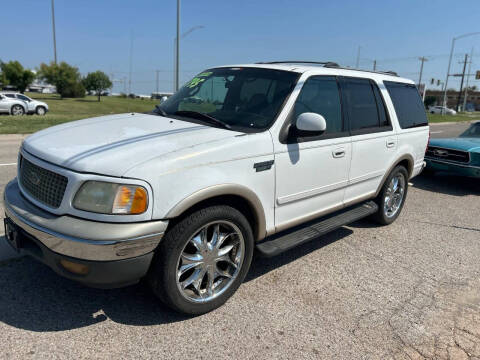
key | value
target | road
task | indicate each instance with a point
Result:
(408, 290)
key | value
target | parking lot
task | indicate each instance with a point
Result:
(410, 290)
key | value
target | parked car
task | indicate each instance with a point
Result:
(31, 106)
(12, 106)
(285, 153)
(441, 110)
(460, 156)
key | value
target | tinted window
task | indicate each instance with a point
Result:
(408, 104)
(361, 103)
(23, 97)
(321, 95)
(12, 96)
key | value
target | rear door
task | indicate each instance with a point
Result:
(374, 142)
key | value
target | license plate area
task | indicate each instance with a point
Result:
(12, 234)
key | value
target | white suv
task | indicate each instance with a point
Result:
(31, 106)
(259, 157)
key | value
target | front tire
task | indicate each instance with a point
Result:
(17, 110)
(392, 197)
(202, 260)
(41, 110)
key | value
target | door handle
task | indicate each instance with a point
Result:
(390, 143)
(338, 153)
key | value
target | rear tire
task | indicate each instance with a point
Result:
(213, 269)
(392, 197)
(17, 110)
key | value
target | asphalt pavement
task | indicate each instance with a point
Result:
(410, 290)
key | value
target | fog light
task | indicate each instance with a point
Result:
(75, 268)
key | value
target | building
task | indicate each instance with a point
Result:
(473, 98)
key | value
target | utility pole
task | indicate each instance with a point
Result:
(156, 78)
(358, 58)
(468, 75)
(461, 83)
(130, 64)
(177, 49)
(54, 37)
(374, 65)
(422, 59)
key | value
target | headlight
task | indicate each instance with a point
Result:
(109, 198)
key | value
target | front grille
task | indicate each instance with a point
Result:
(42, 184)
(439, 153)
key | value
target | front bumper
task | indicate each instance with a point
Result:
(458, 169)
(115, 253)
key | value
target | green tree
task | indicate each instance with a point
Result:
(98, 82)
(66, 79)
(14, 74)
(429, 101)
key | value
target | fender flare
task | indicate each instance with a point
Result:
(225, 189)
(411, 162)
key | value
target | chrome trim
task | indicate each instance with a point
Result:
(79, 238)
(451, 163)
(445, 148)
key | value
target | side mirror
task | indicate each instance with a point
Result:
(311, 122)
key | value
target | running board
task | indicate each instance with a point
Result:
(301, 234)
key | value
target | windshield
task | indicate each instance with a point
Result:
(472, 131)
(242, 98)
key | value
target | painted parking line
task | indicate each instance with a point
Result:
(10, 164)
(436, 132)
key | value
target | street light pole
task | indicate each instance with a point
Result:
(177, 49)
(175, 63)
(54, 37)
(422, 59)
(449, 65)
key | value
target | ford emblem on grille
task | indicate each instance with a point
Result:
(34, 178)
(440, 152)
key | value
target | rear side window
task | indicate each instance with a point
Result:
(365, 107)
(408, 104)
(12, 96)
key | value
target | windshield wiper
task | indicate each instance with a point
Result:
(159, 111)
(204, 117)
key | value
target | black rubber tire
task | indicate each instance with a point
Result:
(40, 107)
(380, 216)
(162, 273)
(18, 106)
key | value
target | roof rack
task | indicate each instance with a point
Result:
(327, 64)
(323, 63)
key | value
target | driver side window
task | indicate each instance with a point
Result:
(321, 95)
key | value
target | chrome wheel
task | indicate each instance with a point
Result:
(210, 261)
(41, 110)
(394, 195)
(17, 110)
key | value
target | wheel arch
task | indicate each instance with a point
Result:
(23, 107)
(405, 160)
(238, 196)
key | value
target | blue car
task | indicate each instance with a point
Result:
(460, 156)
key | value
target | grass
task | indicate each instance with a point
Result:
(437, 118)
(75, 109)
(65, 110)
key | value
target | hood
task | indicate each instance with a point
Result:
(110, 145)
(459, 143)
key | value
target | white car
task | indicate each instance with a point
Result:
(272, 156)
(441, 110)
(12, 106)
(31, 106)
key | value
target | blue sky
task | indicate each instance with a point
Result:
(95, 35)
